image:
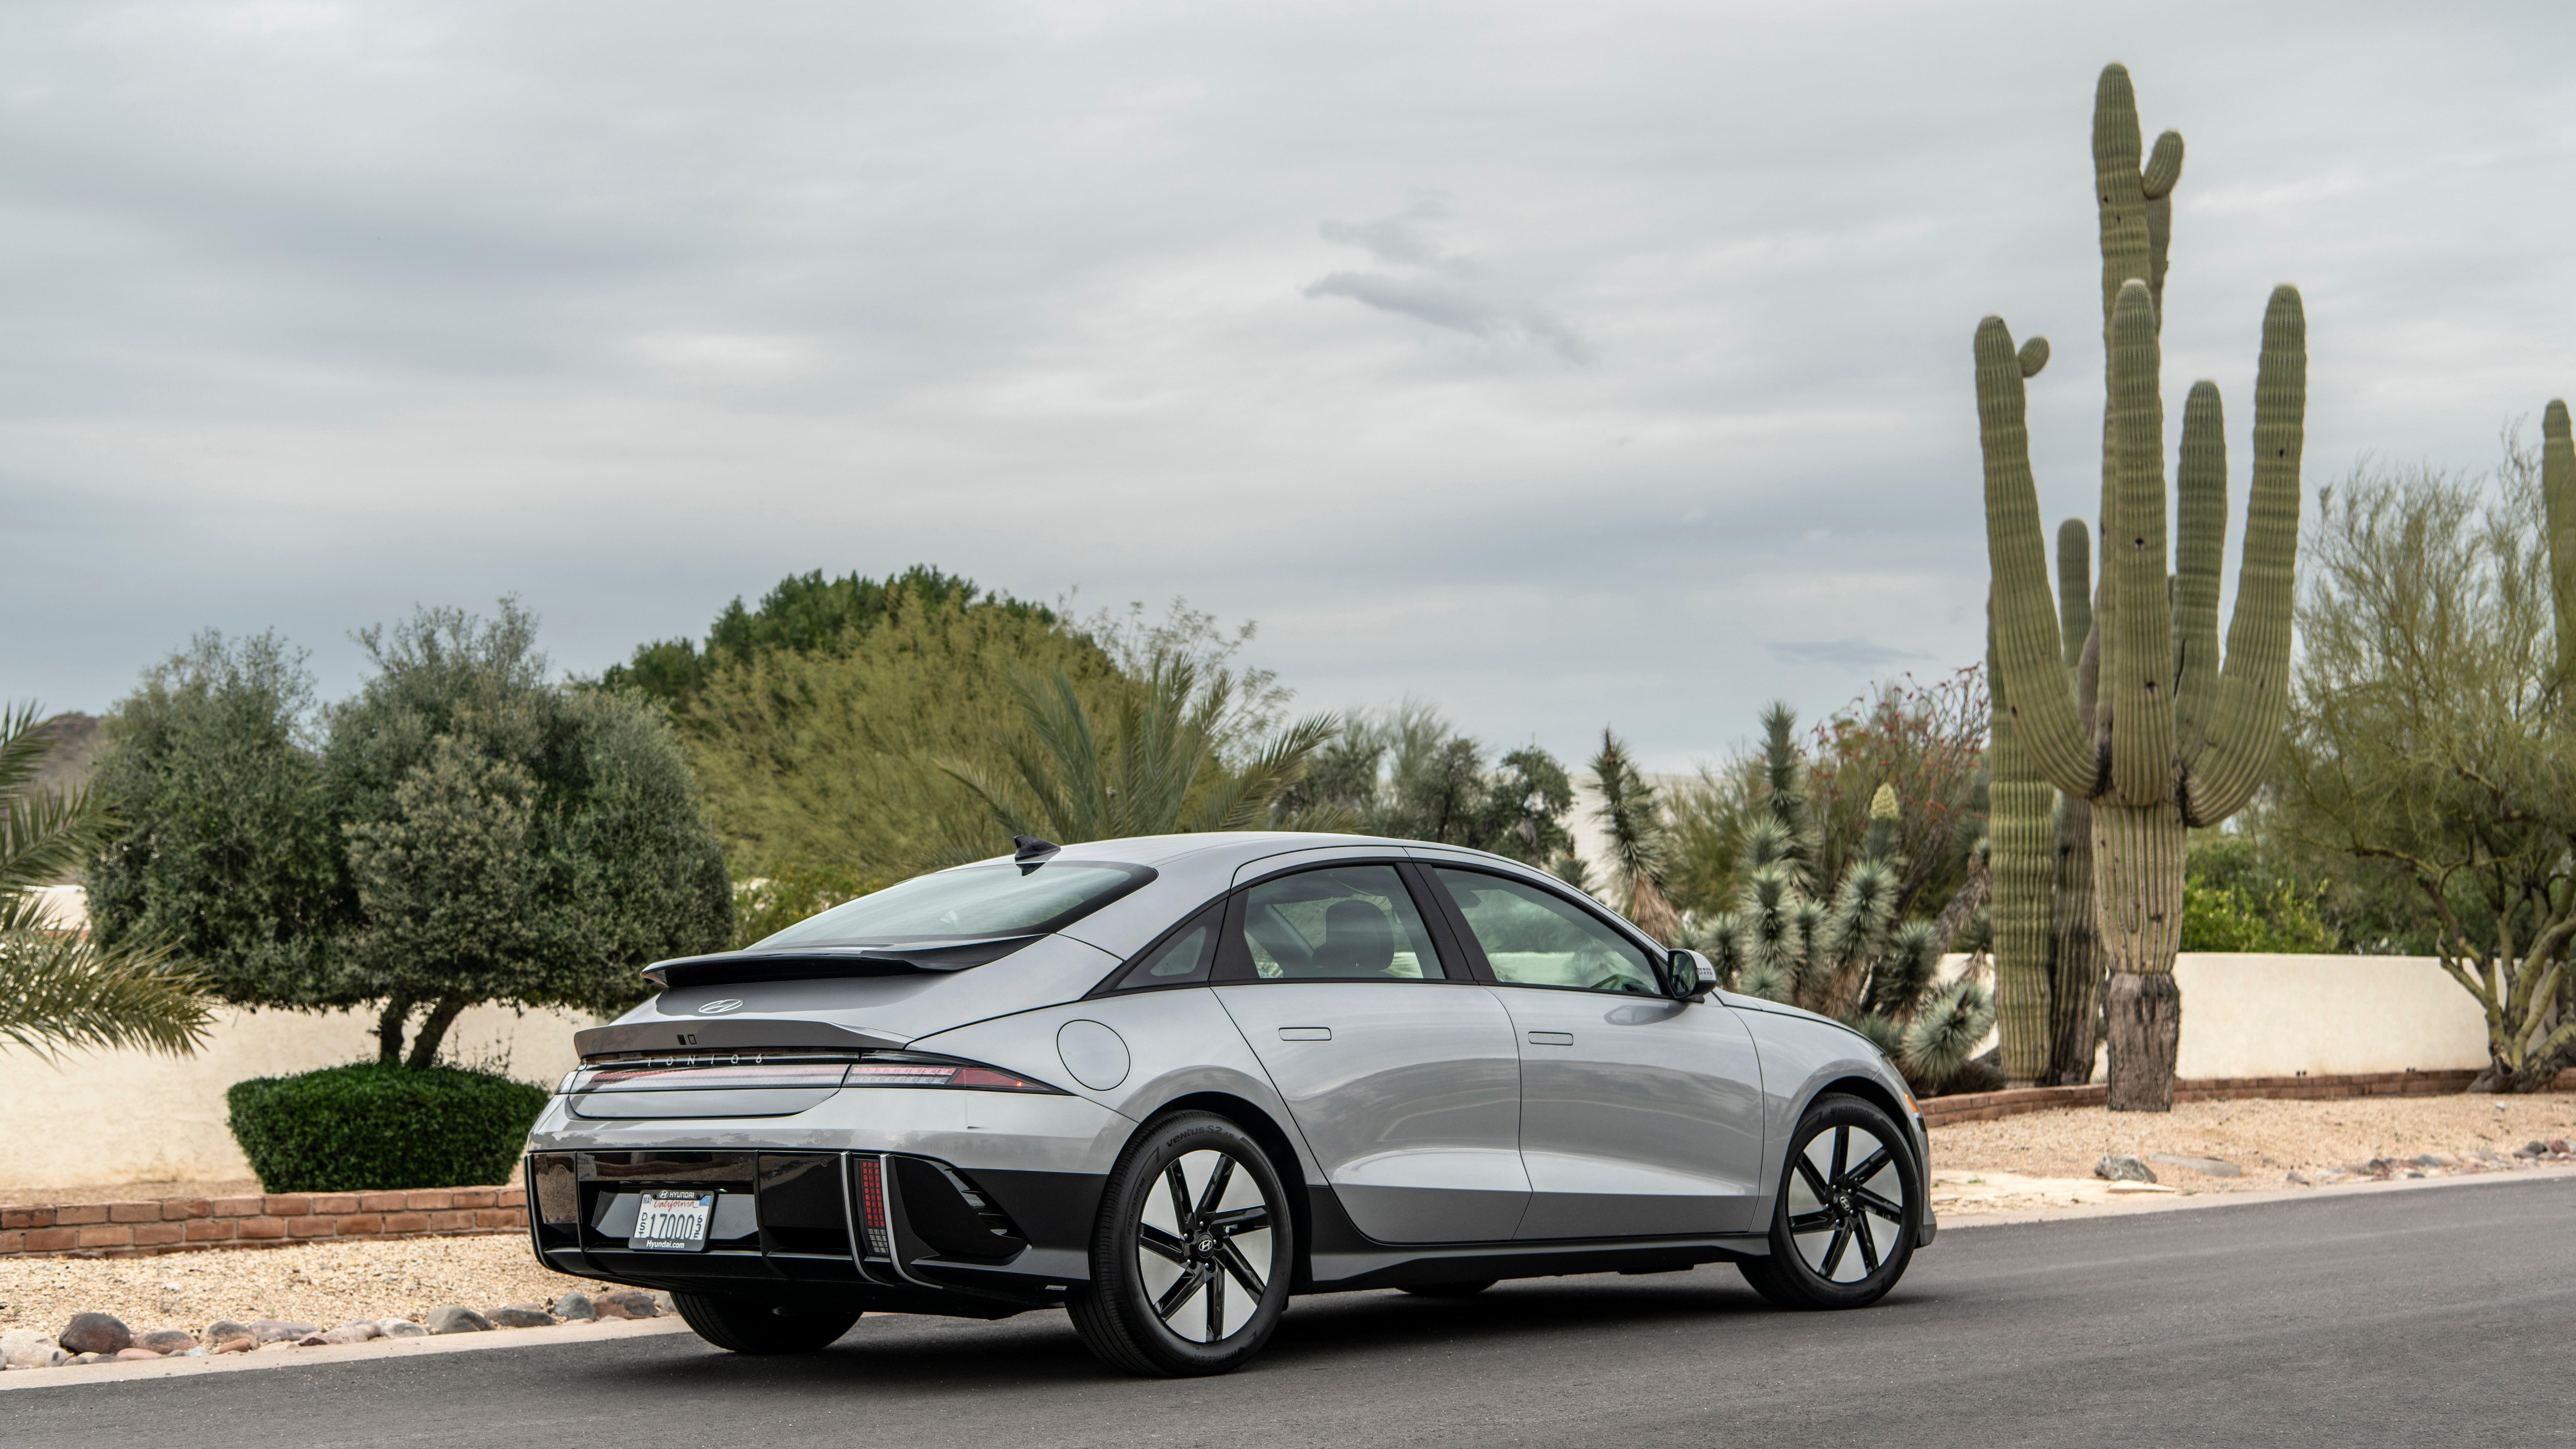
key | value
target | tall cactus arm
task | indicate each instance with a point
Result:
(2029, 675)
(2022, 831)
(2164, 168)
(2558, 494)
(2118, 187)
(2200, 550)
(2253, 692)
(2137, 650)
(2074, 587)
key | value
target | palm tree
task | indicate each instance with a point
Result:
(1635, 821)
(1168, 763)
(58, 988)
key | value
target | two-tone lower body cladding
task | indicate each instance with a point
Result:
(973, 1204)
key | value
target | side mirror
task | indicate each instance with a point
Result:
(1691, 976)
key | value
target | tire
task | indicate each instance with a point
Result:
(745, 1326)
(1191, 1258)
(1466, 1289)
(1842, 1230)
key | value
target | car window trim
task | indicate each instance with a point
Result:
(1116, 981)
(1658, 959)
(1233, 964)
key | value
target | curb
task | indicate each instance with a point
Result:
(382, 1348)
(2161, 1203)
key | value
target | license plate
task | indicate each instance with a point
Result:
(673, 1222)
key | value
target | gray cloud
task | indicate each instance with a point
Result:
(1854, 653)
(1453, 296)
(320, 310)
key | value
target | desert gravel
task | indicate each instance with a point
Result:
(2046, 1159)
(321, 1283)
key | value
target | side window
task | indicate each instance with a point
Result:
(1180, 958)
(1344, 923)
(1532, 937)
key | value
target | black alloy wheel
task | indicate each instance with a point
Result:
(1843, 1228)
(746, 1326)
(1464, 1288)
(1191, 1259)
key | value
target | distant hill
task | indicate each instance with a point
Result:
(78, 742)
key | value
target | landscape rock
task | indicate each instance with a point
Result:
(167, 1340)
(2532, 1149)
(352, 1333)
(86, 1358)
(2294, 1179)
(99, 1333)
(2120, 1167)
(276, 1330)
(401, 1328)
(134, 1355)
(235, 1345)
(450, 1318)
(636, 1303)
(2558, 1146)
(2206, 1166)
(522, 1315)
(574, 1308)
(26, 1348)
(223, 1330)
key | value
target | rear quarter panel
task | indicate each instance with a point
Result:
(1179, 1043)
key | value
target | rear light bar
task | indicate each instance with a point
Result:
(875, 1069)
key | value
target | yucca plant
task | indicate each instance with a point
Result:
(1634, 820)
(59, 990)
(1837, 947)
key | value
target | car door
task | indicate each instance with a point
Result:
(1640, 1115)
(1399, 1069)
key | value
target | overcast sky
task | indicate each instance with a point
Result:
(1560, 364)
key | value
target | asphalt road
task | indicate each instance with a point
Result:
(2445, 1316)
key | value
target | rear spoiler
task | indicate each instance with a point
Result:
(726, 1033)
(724, 968)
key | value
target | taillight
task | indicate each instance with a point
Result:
(872, 1208)
(929, 1072)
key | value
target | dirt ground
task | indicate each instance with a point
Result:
(2046, 1158)
(326, 1284)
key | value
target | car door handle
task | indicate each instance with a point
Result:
(1551, 1038)
(1305, 1033)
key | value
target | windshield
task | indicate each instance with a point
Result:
(983, 900)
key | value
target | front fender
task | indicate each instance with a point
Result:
(1802, 1055)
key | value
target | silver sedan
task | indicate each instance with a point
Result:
(1167, 1083)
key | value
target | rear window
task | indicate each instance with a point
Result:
(980, 900)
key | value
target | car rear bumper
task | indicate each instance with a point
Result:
(911, 1200)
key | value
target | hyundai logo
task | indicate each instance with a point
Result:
(719, 1008)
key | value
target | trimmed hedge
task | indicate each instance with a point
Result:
(374, 1127)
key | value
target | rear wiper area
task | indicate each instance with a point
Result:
(811, 963)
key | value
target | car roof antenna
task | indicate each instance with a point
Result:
(1032, 851)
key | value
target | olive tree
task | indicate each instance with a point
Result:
(463, 830)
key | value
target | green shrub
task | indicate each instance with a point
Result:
(372, 1127)
(2233, 918)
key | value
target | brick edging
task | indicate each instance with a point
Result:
(270, 1220)
(1992, 1106)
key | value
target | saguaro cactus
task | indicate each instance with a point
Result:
(2178, 738)
(2558, 496)
(2075, 938)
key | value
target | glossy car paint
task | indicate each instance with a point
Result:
(1419, 1130)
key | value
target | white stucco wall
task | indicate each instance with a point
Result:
(2279, 1016)
(102, 1119)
